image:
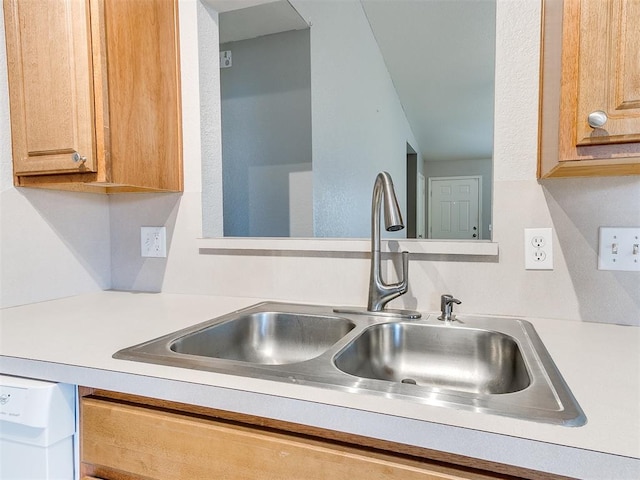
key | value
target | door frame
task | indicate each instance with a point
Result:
(421, 209)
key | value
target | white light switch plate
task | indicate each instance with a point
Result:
(153, 241)
(538, 248)
(619, 249)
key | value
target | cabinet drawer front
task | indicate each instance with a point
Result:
(166, 446)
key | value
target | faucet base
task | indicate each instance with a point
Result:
(391, 313)
(449, 320)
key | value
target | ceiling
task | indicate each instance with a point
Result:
(263, 18)
(440, 55)
(221, 6)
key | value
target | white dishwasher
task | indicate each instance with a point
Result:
(37, 427)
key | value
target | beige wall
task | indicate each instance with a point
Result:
(575, 289)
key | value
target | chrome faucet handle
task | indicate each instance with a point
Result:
(380, 292)
(446, 307)
(404, 279)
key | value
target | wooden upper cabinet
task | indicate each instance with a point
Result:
(144, 93)
(51, 86)
(95, 94)
(590, 90)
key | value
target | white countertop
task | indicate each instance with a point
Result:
(72, 340)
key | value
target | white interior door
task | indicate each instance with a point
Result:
(454, 207)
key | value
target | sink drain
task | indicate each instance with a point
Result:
(410, 381)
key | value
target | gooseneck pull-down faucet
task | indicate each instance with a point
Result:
(381, 293)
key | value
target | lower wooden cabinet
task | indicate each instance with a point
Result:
(123, 439)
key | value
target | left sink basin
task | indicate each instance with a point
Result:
(267, 338)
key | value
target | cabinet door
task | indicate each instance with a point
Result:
(590, 63)
(609, 71)
(144, 93)
(51, 86)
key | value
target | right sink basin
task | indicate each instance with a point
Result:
(463, 359)
(486, 364)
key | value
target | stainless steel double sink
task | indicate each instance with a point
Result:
(484, 364)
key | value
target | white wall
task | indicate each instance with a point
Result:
(575, 289)
(358, 120)
(266, 130)
(359, 125)
(52, 244)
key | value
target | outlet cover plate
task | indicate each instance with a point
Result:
(538, 248)
(619, 249)
(153, 241)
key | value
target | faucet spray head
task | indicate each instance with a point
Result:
(392, 216)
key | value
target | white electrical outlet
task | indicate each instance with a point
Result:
(153, 241)
(226, 59)
(619, 249)
(538, 248)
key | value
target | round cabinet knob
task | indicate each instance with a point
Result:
(77, 158)
(597, 119)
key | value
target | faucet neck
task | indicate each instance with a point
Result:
(381, 293)
(376, 204)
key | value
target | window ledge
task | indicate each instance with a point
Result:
(239, 245)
